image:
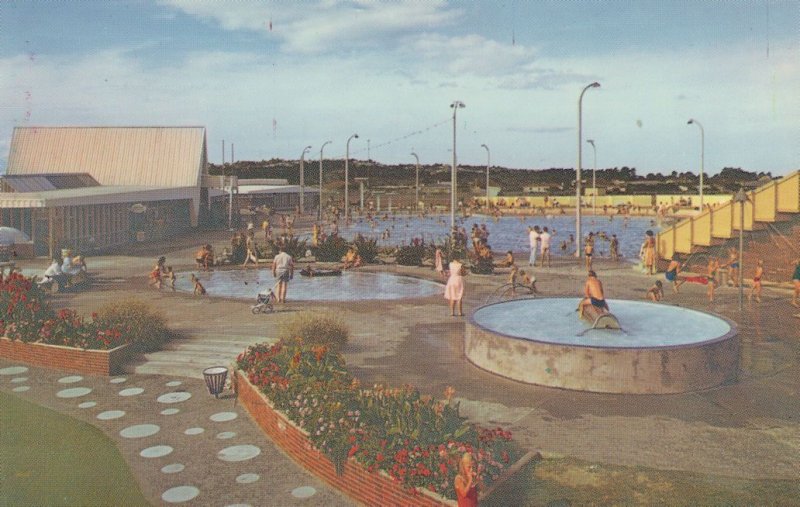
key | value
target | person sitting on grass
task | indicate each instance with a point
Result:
(593, 295)
(199, 290)
(656, 292)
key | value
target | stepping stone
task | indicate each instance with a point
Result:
(174, 397)
(174, 383)
(17, 380)
(70, 380)
(118, 380)
(170, 411)
(173, 468)
(225, 435)
(131, 391)
(239, 453)
(156, 451)
(247, 478)
(110, 414)
(73, 392)
(180, 494)
(21, 389)
(304, 492)
(193, 431)
(13, 370)
(139, 431)
(224, 416)
(87, 404)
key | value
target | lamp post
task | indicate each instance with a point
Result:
(594, 180)
(456, 105)
(741, 198)
(416, 186)
(319, 210)
(302, 179)
(702, 156)
(488, 163)
(346, 182)
(578, 236)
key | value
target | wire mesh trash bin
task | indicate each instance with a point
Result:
(215, 379)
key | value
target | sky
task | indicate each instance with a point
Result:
(275, 77)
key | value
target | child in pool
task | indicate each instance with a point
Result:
(171, 278)
(199, 290)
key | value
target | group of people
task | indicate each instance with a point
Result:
(64, 268)
(540, 240)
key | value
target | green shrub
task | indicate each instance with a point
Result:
(142, 325)
(410, 255)
(367, 248)
(331, 250)
(315, 329)
(293, 246)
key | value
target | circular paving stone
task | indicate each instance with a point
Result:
(304, 492)
(110, 414)
(239, 505)
(180, 494)
(170, 411)
(173, 383)
(239, 453)
(247, 478)
(174, 397)
(131, 391)
(17, 380)
(73, 392)
(156, 451)
(225, 435)
(224, 416)
(21, 389)
(13, 370)
(193, 431)
(139, 431)
(173, 468)
(70, 380)
(87, 404)
(118, 380)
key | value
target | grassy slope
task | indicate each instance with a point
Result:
(47, 458)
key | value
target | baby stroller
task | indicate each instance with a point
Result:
(264, 302)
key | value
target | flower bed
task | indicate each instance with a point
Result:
(398, 435)
(90, 362)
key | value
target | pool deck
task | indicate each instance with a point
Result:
(748, 429)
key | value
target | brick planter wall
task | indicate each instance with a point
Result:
(90, 362)
(376, 489)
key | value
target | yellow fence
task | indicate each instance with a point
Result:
(764, 204)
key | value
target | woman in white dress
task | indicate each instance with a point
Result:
(454, 290)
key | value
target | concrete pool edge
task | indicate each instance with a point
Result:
(669, 369)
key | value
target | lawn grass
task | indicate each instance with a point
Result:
(50, 459)
(570, 482)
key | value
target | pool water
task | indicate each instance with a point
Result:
(350, 286)
(555, 320)
(507, 233)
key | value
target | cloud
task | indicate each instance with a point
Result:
(470, 54)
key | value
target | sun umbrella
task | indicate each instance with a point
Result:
(11, 236)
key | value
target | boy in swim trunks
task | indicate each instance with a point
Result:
(594, 295)
(756, 290)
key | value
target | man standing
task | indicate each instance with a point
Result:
(544, 240)
(283, 270)
(533, 236)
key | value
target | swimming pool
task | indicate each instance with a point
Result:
(507, 233)
(350, 286)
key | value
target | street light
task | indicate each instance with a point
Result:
(702, 156)
(302, 179)
(319, 210)
(346, 182)
(416, 187)
(594, 180)
(456, 105)
(488, 163)
(741, 198)
(578, 236)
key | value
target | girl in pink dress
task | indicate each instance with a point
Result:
(454, 290)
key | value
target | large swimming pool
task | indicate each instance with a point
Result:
(508, 233)
(350, 286)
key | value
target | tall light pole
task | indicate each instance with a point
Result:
(346, 181)
(456, 105)
(594, 180)
(741, 198)
(416, 186)
(702, 155)
(488, 163)
(578, 236)
(319, 210)
(302, 179)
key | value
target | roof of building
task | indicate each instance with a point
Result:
(42, 182)
(275, 189)
(114, 194)
(139, 156)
